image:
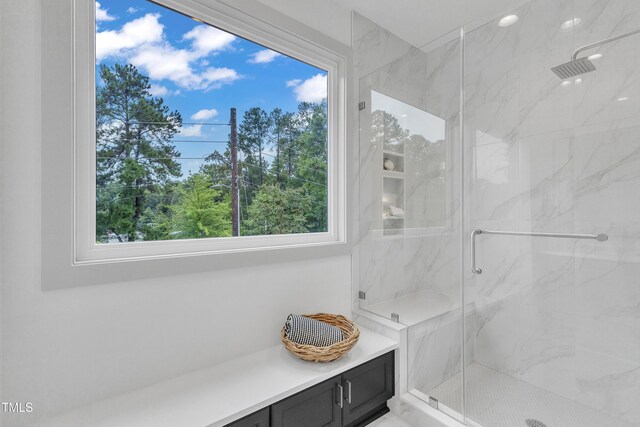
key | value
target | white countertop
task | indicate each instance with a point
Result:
(223, 393)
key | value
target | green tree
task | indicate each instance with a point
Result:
(277, 210)
(252, 139)
(386, 131)
(201, 211)
(311, 167)
(135, 156)
(278, 128)
(291, 150)
(156, 222)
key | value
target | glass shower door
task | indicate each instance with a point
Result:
(555, 321)
(409, 186)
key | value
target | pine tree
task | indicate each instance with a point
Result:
(202, 210)
(134, 151)
(277, 210)
(252, 139)
(386, 131)
(277, 132)
(311, 167)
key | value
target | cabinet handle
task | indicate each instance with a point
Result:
(348, 391)
(340, 399)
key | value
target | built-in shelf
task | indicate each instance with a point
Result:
(392, 162)
(393, 204)
(392, 174)
(392, 153)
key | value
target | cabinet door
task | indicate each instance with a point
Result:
(314, 407)
(257, 419)
(367, 389)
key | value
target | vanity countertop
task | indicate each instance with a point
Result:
(223, 393)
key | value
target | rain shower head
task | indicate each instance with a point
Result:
(578, 66)
(573, 68)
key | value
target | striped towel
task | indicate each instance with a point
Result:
(304, 330)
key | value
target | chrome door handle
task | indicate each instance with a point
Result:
(348, 391)
(340, 400)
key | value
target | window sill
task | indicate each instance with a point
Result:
(58, 274)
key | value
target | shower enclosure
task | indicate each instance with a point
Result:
(472, 145)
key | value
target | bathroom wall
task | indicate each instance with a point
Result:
(555, 156)
(62, 349)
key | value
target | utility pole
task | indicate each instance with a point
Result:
(235, 192)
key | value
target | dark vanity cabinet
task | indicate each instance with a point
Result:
(257, 419)
(352, 399)
(367, 389)
(315, 407)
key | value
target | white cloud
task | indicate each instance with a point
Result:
(142, 43)
(163, 61)
(314, 89)
(103, 14)
(264, 56)
(133, 34)
(166, 62)
(194, 130)
(159, 90)
(214, 78)
(205, 114)
(294, 82)
(132, 9)
(206, 39)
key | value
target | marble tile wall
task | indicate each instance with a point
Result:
(545, 155)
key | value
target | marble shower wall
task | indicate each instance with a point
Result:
(556, 156)
(425, 256)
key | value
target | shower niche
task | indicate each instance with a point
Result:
(393, 199)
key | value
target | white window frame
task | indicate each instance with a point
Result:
(70, 254)
(87, 250)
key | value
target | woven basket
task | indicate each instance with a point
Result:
(329, 353)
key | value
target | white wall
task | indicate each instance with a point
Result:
(328, 17)
(68, 347)
(1, 186)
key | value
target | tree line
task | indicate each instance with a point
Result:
(142, 195)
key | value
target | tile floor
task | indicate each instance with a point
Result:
(498, 400)
(389, 420)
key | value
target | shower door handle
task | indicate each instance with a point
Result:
(477, 270)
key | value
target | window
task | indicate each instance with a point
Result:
(414, 142)
(172, 159)
(161, 170)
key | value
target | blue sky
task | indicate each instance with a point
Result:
(200, 70)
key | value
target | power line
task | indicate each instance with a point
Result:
(184, 123)
(203, 141)
(154, 158)
(288, 177)
(244, 163)
(208, 141)
(313, 169)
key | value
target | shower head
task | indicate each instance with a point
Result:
(578, 66)
(573, 68)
